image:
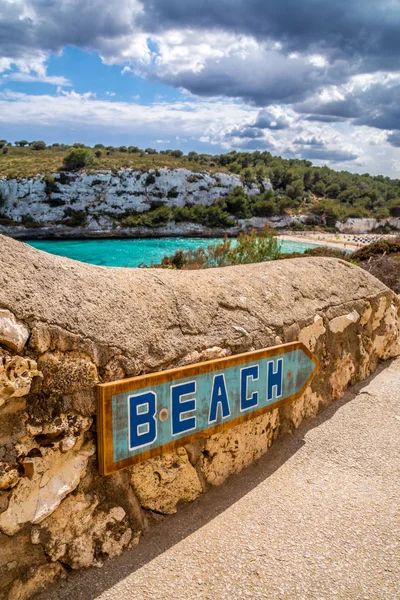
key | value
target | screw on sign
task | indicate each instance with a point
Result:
(141, 417)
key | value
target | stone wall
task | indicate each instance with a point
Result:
(65, 326)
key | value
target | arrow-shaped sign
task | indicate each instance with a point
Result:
(145, 416)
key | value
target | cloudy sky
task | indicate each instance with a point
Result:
(315, 79)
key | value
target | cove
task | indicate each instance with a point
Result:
(133, 252)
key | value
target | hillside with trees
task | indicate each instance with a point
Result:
(298, 186)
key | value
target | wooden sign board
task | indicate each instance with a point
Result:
(145, 416)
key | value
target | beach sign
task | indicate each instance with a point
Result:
(151, 414)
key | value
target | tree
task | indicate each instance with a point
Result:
(78, 158)
(21, 143)
(319, 188)
(78, 145)
(3, 143)
(177, 153)
(38, 145)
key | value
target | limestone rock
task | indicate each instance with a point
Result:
(207, 354)
(40, 339)
(380, 311)
(65, 374)
(161, 482)
(309, 335)
(9, 476)
(341, 376)
(16, 374)
(229, 452)
(339, 324)
(55, 476)
(13, 333)
(36, 579)
(306, 406)
(80, 533)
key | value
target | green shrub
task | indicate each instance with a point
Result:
(50, 185)
(38, 145)
(75, 218)
(78, 158)
(249, 248)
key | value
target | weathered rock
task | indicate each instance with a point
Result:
(9, 476)
(16, 374)
(161, 482)
(55, 476)
(341, 376)
(35, 580)
(80, 533)
(339, 324)
(13, 333)
(65, 374)
(231, 451)
(309, 335)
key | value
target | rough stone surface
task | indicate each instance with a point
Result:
(13, 333)
(104, 193)
(80, 533)
(35, 580)
(315, 519)
(309, 335)
(54, 476)
(161, 482)
(16, 374)
(339, 324)
(90, 324)
(231, 451)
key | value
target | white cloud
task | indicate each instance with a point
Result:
(210, 121)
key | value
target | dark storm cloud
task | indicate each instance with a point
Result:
(267, 120)
(394, 139)
(54, 24)
(264, 78)
(309, 142)
(326, 154)
(359, 28)
(375, 105)
(324, 118)
(246, 132)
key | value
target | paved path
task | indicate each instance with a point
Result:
(317, 518)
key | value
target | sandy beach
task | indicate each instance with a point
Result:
(341, 241)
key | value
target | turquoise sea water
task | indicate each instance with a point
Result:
(132, 253)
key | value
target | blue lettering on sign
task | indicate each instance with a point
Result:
(180, 407)
(275, 379)
(219, 397)
(247, 401)
(142, 410)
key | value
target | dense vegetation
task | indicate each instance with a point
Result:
(298, 186)
(381, 259)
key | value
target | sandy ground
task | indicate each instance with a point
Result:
(317, 518)
(342, 241)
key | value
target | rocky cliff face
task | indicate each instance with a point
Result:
(105, 195)
(48, 206)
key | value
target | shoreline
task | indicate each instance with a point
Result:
(340, 241)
